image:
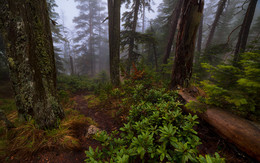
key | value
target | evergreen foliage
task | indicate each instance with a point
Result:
(129, 35)
(57, 36)
(89, 34)
(235, 88)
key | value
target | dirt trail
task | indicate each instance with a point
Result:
(100, 115)
(105, 122)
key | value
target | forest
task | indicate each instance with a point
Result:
(130, 81)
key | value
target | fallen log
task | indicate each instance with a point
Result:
(242, 133)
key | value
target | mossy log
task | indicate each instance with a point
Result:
(242, 133)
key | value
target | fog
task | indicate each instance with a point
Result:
(67, 11)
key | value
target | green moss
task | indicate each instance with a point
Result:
(43, 56)
(11, 62)
(196, 107)
(92, 100)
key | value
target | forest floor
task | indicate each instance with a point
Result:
(106, 120)
(211, 142)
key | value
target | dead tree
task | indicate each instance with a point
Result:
(185, 45)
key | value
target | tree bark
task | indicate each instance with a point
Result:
(114, 40)
(174, 22)
(219, 12)
(131, 55)
(190, 20)
(29, 47)
(244, 31)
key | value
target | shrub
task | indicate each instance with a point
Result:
(156, 130)
(74, 83)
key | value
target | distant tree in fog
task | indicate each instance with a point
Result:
(221, 6)
(87, 38)
(130, 19)
(244, 31)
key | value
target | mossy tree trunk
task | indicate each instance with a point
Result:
(185, 45)
(114, 40)
(26, 30)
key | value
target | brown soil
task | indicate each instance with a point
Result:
(211, 142)
(99, 114)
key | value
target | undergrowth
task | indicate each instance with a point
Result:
(235, 87)
(26, 139)
(74, 84)
(155, 129)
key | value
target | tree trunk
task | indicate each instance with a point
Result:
(114, 40)
(131, 55)
(29, 47)
(244, 31)
(174, 22)
(197, 58)
(154, 50)
(200, 35)
(220, 9)
(91, 43)
(71, 66)
(190, 20)
(155, 57)
(143, 21)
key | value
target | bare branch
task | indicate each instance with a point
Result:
(232, 32)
